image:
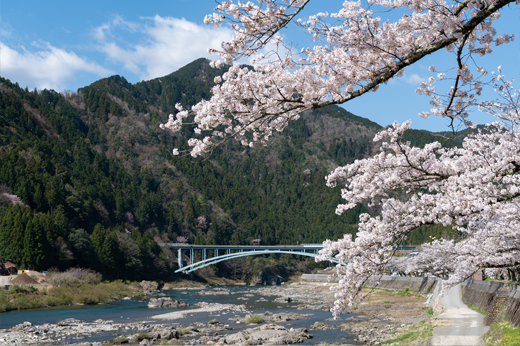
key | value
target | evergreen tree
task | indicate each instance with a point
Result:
(33, 251)
(83, 248)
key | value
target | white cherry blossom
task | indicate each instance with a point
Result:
(355, 52)
(474, 189)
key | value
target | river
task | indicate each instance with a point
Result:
(125, 311)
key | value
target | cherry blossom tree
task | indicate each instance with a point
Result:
(474, 189)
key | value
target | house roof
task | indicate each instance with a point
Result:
(9, 265)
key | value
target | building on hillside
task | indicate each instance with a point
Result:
(8, 268)
(255, 242)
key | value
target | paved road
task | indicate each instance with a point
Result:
(464, 326)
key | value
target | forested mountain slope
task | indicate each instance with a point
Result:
(67, 188)
(99, 182)
(276, 193)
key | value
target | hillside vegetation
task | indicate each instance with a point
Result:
(99, 186)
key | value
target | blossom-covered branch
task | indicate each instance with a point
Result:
(356, 51)
(474, 189)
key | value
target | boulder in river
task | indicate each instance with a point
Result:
(149, 286)
(22, 326)
(166, 302)
(68, 322)
(168, 334)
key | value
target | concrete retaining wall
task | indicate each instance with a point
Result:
(316, 277)
(501, 301)
(5, 282)
(513, 291)
(424, 285)
(434, 300)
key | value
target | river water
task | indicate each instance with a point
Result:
(137, 310)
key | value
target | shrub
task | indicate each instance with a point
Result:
(74, 277)
(4, 302)
(22, 303)
(23, 290)
(52, 301)
(184, 331)
(142, 336)
(254, 319)
(120, 340)
(27, 297)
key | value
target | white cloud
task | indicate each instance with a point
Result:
(167, 44)
(49, 67)
(6, 30)
(5, 33)
(413, 79)
(104, 30)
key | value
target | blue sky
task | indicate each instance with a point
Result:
(65, 45)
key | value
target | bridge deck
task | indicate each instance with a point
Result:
(301, 247)
(221, 253)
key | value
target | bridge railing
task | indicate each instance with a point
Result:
(239, 247)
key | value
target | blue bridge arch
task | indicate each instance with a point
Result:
(214, 260)
(228, 252)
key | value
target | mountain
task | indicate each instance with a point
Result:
(100, 186)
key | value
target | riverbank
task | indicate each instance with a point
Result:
(297, 312)
(75, 286)
(395, 317)
(27, 297)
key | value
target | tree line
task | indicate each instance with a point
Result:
(80, 159)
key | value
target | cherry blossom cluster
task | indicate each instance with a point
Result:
(355, 52)
(254, 25)
(474, 189)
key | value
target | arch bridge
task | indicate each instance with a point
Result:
(221, 253)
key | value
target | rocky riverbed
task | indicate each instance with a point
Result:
(376, 320)
(71, 331)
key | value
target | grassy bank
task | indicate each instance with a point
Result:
(503, 334)
(413, 322)
(27, 297)
(75, 286)
(416, 334)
